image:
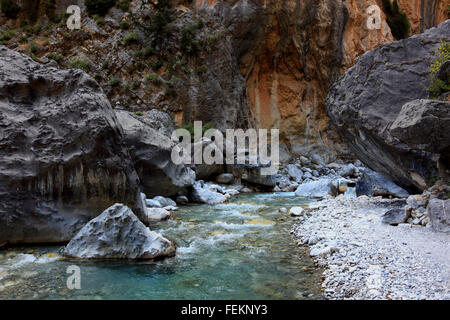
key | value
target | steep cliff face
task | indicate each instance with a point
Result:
(424, 14)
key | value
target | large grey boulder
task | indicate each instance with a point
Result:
(118, 234)
(369, 98)
(439, 213)
(157, 214)
(62, 155)
(375, 184)
(295, 172)
(317, 189)
(394, 217)
(203, 193)
(151, 152)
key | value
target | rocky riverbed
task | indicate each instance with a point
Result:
(366, 259)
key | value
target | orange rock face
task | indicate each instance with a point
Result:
(424, 14)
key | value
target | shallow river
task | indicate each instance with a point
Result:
(238, 250)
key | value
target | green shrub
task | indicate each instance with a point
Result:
(99, 20)
(10, 8)
(124, 25)
(202, 69)
(99, 7)
(135, 85)
(123, 5)
(396, 19)
(170, 93)
(139, 113)
(190, 127)
(114, 82)
(437, 86)
(156, 64)
(140, 65)
(33, 48)
(130, 38)
(55, 56)
(50, 7)
(188, 42)
(6, 35)
(154, 78)
(105, 64)
(79, 64)
(37, 29)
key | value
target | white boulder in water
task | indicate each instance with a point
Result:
(203, 193)
(316, 189)
(118, 234)
(157, 214)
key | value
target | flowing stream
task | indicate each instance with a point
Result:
(238, 250)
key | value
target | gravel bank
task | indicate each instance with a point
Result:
(365, 259)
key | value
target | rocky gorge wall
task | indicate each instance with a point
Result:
(259, 63)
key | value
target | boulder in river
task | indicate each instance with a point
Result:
(157, 214)
(118, 234)
(202, 193)
(63, 159)
(366, 102)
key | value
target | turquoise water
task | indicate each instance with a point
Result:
(238, 250)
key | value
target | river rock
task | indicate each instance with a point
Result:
(225, 178)
(374, 184)
(295, 173)
(150, 203)
(151, 151)
(394, 217)
(201, 193)
(118, 234)
(316, 189)
(297, 211)
(368, 99)
(158, 214)
(63, 159)
(165, 202)
(182, 200)
(444, 72)
(439, 214)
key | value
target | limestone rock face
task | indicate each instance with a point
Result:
(118, 234)
(62, 155)
(151, 152)
(370, 97)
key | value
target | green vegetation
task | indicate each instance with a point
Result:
(55, 56)
(154, 78)
(115, 82)
(135, 85)
(437, 86)
(140, 65)
(79, 64)
(189, 43)
(50, 7)
(99, 20)
(34, 48)
(139, 113)
(156, 64)
(10, 8)
(202, 69)
(190, 127)
(105, 64)
(99, 7)
(123, 5)
(130, 38)
(396, 19)
(124, 25)
(6, 35)
(170, 93)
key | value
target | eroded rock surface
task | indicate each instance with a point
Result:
(62, 155)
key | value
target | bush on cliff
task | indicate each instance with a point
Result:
(99, 7)
(396, 19)
(10, 8)
(437, 86)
